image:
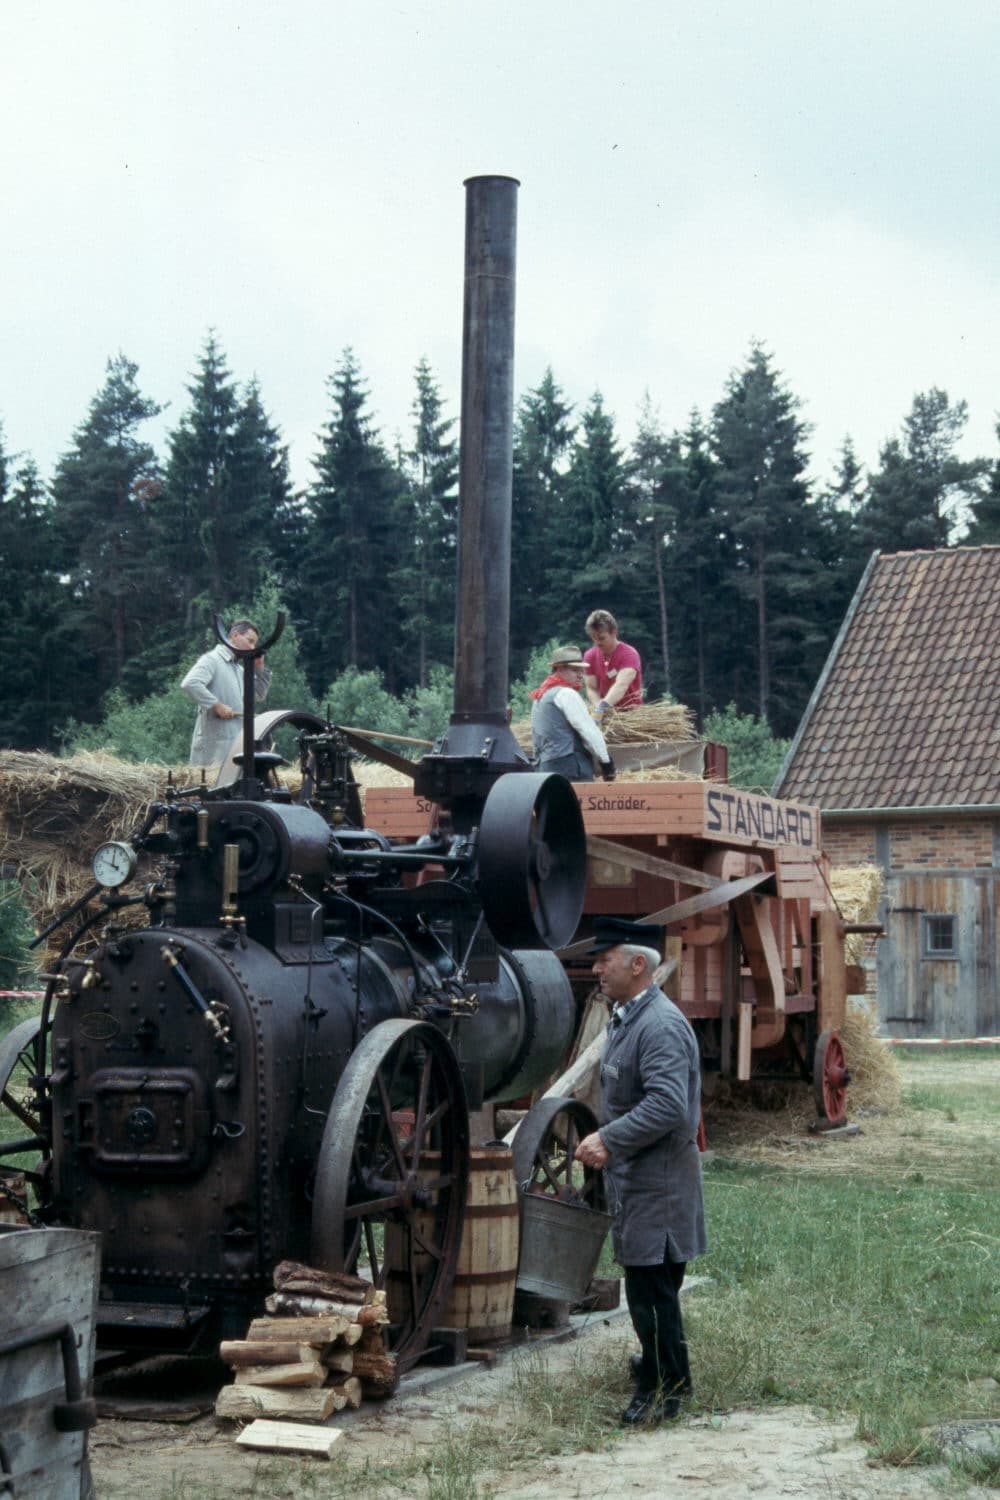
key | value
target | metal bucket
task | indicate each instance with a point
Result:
(560, 1246)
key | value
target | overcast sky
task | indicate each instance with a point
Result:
(822, 177)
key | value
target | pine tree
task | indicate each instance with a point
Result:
(985, 527)
(588, 558)
(922, 491)
(102, 527)
(423, 581)
(543, 438)
(757, 440)
(344, 609)
(656, 473)
(226, 494)
(41, 658)
(700, 577)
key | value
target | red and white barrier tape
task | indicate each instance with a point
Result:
(942, 1041)
(22, 994)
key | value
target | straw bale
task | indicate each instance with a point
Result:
(646, 725)
(659, 773)
(857, 890)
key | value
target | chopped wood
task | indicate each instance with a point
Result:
(242, 1353)
(348, 1386)
(281, 1377)
(285, 1304)
(290, 1437)
(317, 1331)
(377, 1372)
(339, 1359)
(293, 1276)
(351, 1334)
(246, 1402)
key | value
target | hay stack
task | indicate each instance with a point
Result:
(875, 1079)
(54, 812)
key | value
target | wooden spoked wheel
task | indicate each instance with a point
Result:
(544, 1148)
(392, 1175)
(831, 1076)
(21, 1131)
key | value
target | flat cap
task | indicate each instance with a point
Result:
(610, 931)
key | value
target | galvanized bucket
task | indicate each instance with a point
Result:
(560, 1246)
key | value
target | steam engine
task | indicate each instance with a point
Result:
(196, 1061)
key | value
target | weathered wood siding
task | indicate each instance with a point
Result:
(920, 994)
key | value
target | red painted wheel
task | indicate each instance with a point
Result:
(831, 1076)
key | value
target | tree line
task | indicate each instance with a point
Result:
(726, 565)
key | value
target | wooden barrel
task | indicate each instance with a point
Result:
(482, 1294)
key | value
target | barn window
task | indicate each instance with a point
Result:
(939, 935)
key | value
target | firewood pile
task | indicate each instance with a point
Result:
(320, 1349)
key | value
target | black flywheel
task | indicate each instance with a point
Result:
(532, 861)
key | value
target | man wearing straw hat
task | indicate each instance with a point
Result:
(565, 737)
(614, 669)
(647, 1146)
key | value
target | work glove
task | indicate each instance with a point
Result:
(601, 709)
(608, 770)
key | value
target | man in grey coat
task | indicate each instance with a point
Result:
(647, 1146)
(215, 682)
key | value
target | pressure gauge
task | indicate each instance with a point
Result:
(113, 863)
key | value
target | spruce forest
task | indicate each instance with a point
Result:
(727, 563)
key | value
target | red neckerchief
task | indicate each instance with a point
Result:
(553, 680)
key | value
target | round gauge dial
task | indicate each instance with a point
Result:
(113, 863)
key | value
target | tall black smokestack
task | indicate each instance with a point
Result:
(479, 746)
(486, 475)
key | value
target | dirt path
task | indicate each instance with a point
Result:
(789, 1451)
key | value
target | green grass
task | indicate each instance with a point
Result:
(850, 1296)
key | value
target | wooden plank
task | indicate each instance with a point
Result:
(832, 1007)
(651, 864)
(744, 1029)
(290, 1437)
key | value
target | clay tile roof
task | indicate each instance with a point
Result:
(906, 712)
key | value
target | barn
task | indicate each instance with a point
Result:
(900, 747)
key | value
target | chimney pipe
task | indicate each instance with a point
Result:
(478, 746)
(486, 466)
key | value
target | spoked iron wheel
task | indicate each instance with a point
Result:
(21, 1132)
(532, 860)
(831, 1076)
(392, 1176)
(544, 1147)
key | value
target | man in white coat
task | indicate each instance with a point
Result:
(215, 683)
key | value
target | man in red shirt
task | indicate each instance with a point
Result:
(614, 670)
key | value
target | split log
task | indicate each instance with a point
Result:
(303, 1372)
(286, 1305)
(339, 1359)
(290, 1437)
(348, 1386)
(244, 1402)
(241, 1354)
(293, 1276)
(316, 1331)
